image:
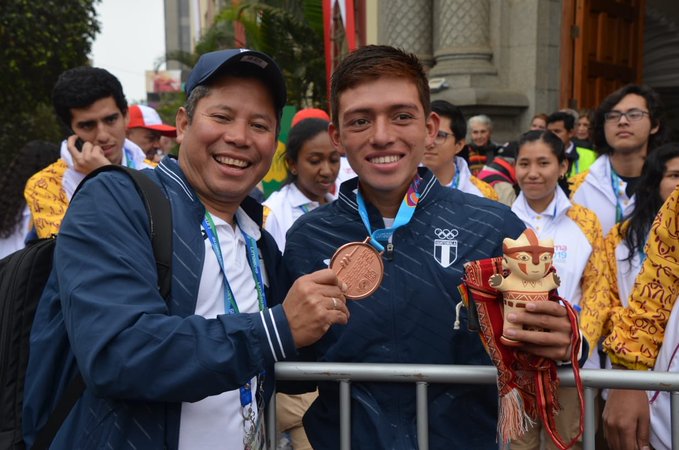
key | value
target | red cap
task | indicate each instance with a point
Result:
(142, 116)
(309, 113)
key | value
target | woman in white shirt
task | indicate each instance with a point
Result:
(313, 164)
(578, 239)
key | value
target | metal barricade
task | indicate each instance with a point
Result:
(423, 375)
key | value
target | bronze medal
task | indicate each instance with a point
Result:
(360, 266)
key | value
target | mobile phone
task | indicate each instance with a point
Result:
(79, 144)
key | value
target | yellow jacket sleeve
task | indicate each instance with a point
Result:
(638, 330)
(46, 199)
(596, 278)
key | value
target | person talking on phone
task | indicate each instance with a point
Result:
(91, 105)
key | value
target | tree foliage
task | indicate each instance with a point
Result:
(291, 31)
(39, 40)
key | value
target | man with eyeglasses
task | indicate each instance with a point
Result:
(627, 125)
(441, 158)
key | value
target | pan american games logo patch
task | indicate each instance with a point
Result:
(445, 246)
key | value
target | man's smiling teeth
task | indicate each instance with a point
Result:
(385, 159)
(231, 161)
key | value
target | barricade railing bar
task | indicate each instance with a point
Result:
(421, 375)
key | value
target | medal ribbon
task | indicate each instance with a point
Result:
(405, 213)
(230, 305)
(615, 181)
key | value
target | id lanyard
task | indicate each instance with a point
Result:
(130, 160)
(456, 178)
(230, 305)
(405, 213)
(305, 209)
(615, 181)
(642, 250)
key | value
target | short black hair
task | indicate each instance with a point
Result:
(561, 116)
(372, 62)
(458, 124)
(80, 87)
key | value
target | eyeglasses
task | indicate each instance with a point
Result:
(633, 115)
(441, 137)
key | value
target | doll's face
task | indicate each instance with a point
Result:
(528, 266)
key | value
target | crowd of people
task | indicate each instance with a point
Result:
(251, 283)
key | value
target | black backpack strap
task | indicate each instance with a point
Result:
(160, 225)
(159, 214)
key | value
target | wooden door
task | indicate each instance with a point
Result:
(602, 49)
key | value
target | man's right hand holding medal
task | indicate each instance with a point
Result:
(314, 303)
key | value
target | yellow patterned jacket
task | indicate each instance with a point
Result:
(637, 331)
(596, 316)
(48, 198)
(596, 278)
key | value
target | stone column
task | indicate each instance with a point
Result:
(407, 24)
(462, 37)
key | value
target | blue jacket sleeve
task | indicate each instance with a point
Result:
(126, 340)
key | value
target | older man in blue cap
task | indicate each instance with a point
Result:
(196, 371)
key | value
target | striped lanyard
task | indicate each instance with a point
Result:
(230, 305)
(405, 213)
(615, 181)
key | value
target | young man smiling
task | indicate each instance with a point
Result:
(382, 120)
(195, 371)
(90, 103)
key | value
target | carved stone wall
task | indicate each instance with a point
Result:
(462, 37)
(498, 57)
(407, 24)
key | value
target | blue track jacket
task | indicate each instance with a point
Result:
(140, 356)
(409, 319)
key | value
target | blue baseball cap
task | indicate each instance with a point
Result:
(220, 62)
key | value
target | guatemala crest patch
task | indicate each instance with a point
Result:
(445, 246)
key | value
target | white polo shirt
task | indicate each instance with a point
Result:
(216, 422)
